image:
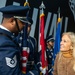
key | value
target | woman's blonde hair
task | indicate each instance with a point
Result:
(71, 35)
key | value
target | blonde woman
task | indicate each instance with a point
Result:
(65, 59)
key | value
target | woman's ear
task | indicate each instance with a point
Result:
(71, 47)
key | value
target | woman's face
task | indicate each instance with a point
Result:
(65, 43)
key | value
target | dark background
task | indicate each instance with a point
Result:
(51, 6)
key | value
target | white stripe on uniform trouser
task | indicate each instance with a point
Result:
(31, 72)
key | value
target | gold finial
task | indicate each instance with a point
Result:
(26, 3)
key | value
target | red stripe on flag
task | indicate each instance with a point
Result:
(25, 54)
(42, 42)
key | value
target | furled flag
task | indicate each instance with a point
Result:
(42, 43)
(57, 38)
(25, 48)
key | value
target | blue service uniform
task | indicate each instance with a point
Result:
(9, 48)
(31, 42)
(49, 54)
(31, 64)
(38, 62)
(9, 55)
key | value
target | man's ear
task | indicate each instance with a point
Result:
(11, 20)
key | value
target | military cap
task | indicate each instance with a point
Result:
(50, 38)
(30, 21)
(15, 11)
(27, 20)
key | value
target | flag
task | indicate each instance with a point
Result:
(42, 44)
(25, 48)
(57, 39)
(42, 41)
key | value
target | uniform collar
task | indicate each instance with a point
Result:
(2, 27)
(6, 31)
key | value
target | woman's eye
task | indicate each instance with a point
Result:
(64, 41)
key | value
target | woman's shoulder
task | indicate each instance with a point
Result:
(58, 55)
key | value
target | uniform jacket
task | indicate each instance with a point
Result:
(32, 54)
(9, 54)
(63, 66)
(32, 46)
(49, 54)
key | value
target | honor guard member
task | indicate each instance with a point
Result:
(14, 18)
(49, 52)
(32, 46)
(31, 64)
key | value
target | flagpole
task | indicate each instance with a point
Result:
(59, 12)
(74, 11)
(58, 15)
(26, 0)
(26, 3)
(25, 48)
(43, 67)
(42, 7)
(57, 38)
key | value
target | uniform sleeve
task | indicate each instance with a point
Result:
(10, 60)
(55, 66)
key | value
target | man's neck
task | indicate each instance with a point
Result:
(2, 27)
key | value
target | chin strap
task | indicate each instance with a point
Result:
(17, 24)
